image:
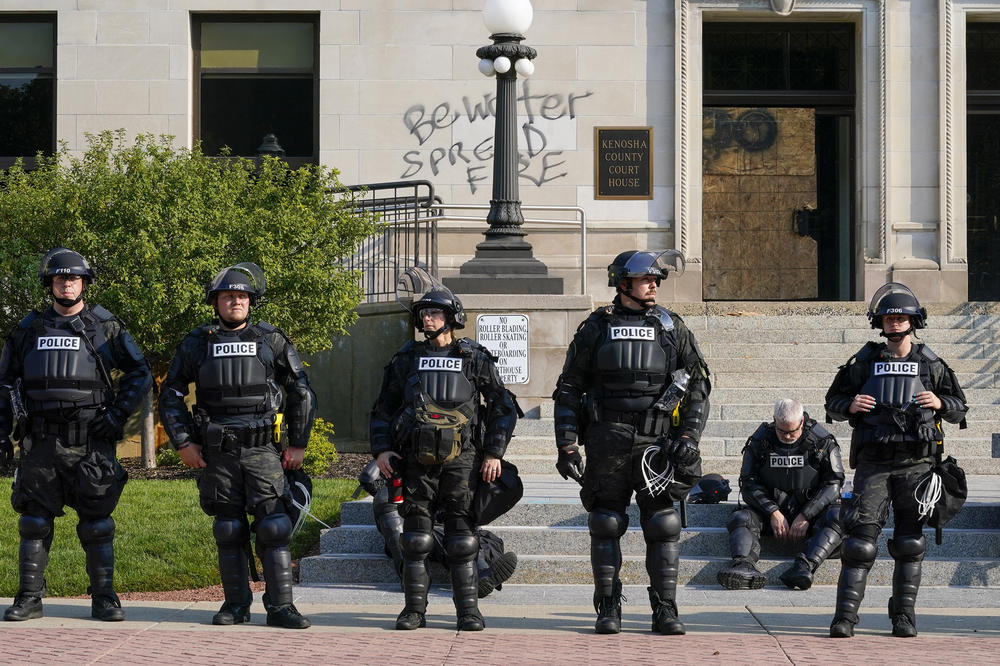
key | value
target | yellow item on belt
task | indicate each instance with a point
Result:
(278, 418)
(675, 418)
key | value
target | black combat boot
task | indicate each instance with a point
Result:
(281, 612)
(609, 610)
(97, 538)
(741, 574)
(33, 556)
(799, 576)
(500, 570)
(665, 615)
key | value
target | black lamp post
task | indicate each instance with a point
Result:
(270, 146)
(504, 263)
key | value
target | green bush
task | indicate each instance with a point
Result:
(158, 222)
(167, 457)
(320, 453)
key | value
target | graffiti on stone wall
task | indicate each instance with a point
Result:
(469, 145)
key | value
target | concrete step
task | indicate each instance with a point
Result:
(795, 379)
(569, 512)
(958, 446)
(729, 466)
(855, 336)
(747, 320)
(717, 352)
(695, 541)
(576, 570)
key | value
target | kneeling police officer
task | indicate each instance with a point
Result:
(60, 361)
(422, 428)
(790, 481)
(240, 370)
(895, 394)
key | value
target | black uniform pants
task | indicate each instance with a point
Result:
(242, 480)
(746, 526)
(444, 490)
(876, 486)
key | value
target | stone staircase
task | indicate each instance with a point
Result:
(754, 360)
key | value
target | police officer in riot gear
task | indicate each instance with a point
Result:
(895, 394)
(243, 372)
(423, 427)
(494, 564)
(58, 362)
(790, 482)
(618, 366)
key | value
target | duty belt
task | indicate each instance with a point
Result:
(648, 422)
(72, 433)
(228, 438)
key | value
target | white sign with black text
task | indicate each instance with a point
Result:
(507, 337)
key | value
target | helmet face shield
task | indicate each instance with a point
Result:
(895, 298)
(244, 276)
(661, 264)
(417, 289)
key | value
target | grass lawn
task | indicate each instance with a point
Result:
(163, 540)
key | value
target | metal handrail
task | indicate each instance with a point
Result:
(581, 221)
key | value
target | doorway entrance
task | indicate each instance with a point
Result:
(777, 161)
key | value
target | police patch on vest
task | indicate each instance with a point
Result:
(50, 342)
(633, 333)
(439, 363)
(221, 349)
(787, 461)
(910, 368)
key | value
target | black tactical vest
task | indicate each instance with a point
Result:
(444, 376)
(234, 377)
(893, 383)
(59, 370)
(634, 358)
(793, 467)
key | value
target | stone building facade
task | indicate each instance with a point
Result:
(810, 150)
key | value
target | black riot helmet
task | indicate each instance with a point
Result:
(63, 261)
(711, 489)
(636, 263)
(896, 298)
(416, 290)
(245, 276)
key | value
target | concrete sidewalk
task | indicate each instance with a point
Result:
(752, 628)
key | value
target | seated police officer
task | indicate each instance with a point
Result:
(422, 427)
(60, 361)
(790, 482)
(895, 394)
(494, 564)
(620, 396)
(240, 370)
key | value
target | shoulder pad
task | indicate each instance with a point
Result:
(926, 352)
(817, 432)
(267, 327)
(760, 434)
(868, 352)
(408, 347)
(467, 346)
(102, 314)
(29, 320)
(664, 317)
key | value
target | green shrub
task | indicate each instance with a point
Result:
(320, 453)
(167, 457)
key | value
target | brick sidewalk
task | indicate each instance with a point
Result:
(239, 646)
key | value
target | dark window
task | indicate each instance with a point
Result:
(27, 86)
(785, 57)
(257, 75)
(983, 154)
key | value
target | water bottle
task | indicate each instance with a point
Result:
(847, 491)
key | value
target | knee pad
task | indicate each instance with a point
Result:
(416, 545)
(908, 548)
(605, 524)
(230, 532)
(664, 525)
(273, 531)
(738, 519)
(33, 527)
(858, 552)
(461, 548)
(101, 530)
(832, 519)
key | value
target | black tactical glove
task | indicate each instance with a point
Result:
(883, 434)
(6, 451)
(684, 452)
(570, 463)
(928, 434)
(107, 425)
